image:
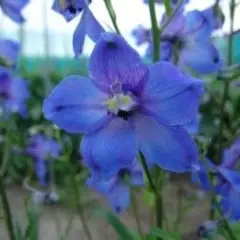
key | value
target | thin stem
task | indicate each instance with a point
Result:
(155, 31)
(158, 197)
(6, 209)
(79, 207)
(112, 15)
(136, 215)
(227, 82)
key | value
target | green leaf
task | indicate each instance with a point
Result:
(123, 232)
(157, 232)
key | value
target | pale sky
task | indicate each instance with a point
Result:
(130, 13)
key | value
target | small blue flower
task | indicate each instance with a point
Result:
(13, 93)
(191, 35)
(9, 53)
(88, 24)
(43, 150)
(117, 188)
(128, 107)
(13, 9)
(141, 34)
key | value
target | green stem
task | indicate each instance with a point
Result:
(158, 197)
(226, 83)
(79, 207)
(6, 209)
(155, 31)
(112, 15)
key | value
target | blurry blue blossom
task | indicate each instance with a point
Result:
(88, 24)
(227, 177)
(185, 39)
(127, 107)
(13, 93)
(209, 228)
(43, 150)
(13, 9)
(9, 53)
(117, 188)
(141, 34)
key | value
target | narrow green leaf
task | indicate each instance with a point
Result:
(167, 4)
(157, 232)
(123, 232)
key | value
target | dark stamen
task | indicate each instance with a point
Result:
(124, 114)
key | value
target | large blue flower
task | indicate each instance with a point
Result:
(9, 53)
(187, 40)
(117, 188)
(13, 8)
(128, 107)
(13, 93)
(88, 25)
(43, 150)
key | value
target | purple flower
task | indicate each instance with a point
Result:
(128, 107)
(141, 34)
(43, 150)
(117, 188)
(13, 8)
(13, 93)
(9, 53)
(191, 35)
(88, 24)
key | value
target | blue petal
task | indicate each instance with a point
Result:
(119, 197)
(172, 95)
(79, 36)
(171, 148)
(41, 171)
(209, 62)
(233, 177)
(110, 149)
(9, 52)
(196, 26)
(76, 105)
(93, 27)
(114, 61)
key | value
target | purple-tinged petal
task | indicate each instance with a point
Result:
(172, 95)
(170, 147)
(202, 57)
(79, 35)
(111, 148)
(76, 105)
(41, 171)
(113, 61)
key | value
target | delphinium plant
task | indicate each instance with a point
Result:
(143, 119)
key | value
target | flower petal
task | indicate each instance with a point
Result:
(171, 148)
(76, 105)
(209, 62)
(79, 36)
(172, 95)
(233, 177)
(114, 61)
(110, 149)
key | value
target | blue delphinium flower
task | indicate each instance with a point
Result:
(228, 181)
(185, 39)
(117, 188)
(9, 53)
(141, 34)
(13, 9)
(13, 93)
(43, 150)
(128, 107)
(88, 24)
